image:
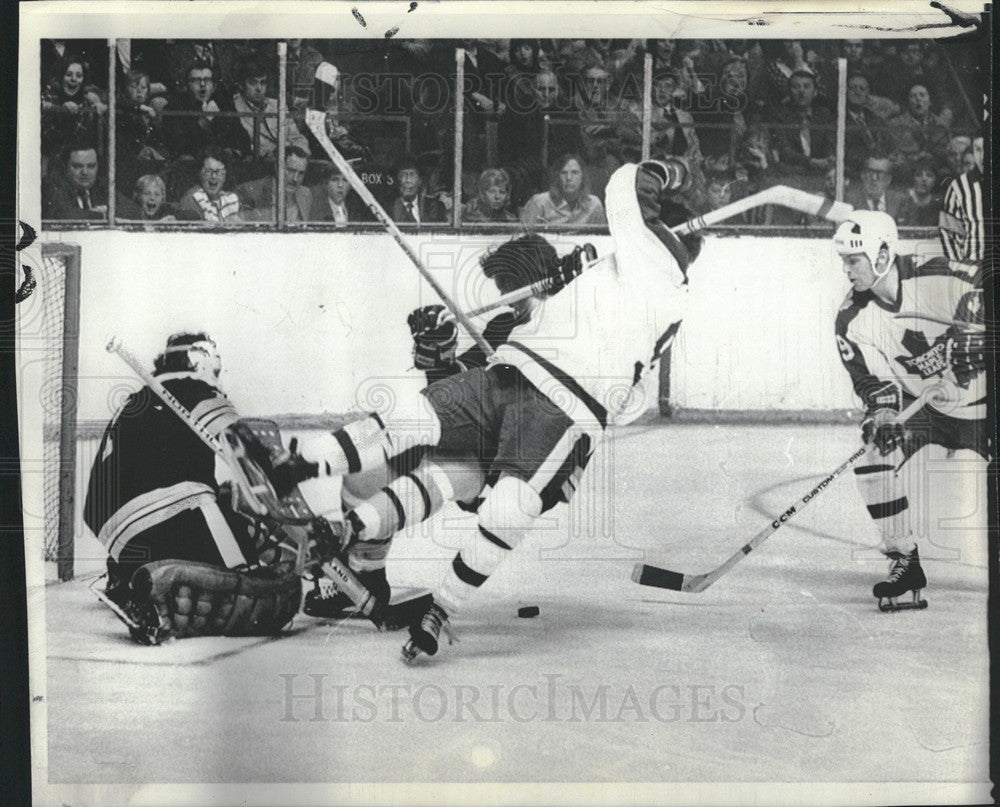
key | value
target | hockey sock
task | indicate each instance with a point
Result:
(883, 492)
(407, 500)
(508, 510)
(358, 446)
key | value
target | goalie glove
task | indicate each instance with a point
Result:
(883, 405)
(435, 337)
(570, 266)
(284, 469)
(966, 352)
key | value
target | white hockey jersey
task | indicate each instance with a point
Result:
(907, 341)
(587, 347)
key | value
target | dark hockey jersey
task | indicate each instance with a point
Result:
(906, 341)
(151, 465)
(495, 333)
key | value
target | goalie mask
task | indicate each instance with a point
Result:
(192, 354)
(868, 232)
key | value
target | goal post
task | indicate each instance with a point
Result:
(57, 337)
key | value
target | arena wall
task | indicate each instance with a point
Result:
(309, 323)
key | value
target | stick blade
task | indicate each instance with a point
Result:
(646, 575)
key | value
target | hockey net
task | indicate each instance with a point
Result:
(54, 340)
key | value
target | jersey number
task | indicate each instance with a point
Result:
(846, 351)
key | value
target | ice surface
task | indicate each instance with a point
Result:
(782, 671)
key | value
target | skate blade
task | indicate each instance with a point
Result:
(892, 604)
(410, 652)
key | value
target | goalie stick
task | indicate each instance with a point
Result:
(646, 574)
(778, 195)
(292, 515)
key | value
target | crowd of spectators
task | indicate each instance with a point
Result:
(544, 124)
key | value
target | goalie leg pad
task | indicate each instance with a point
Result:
(181, 599)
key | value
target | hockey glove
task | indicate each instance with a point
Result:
(966, 352)
(570, 266)
(435, 337)
(879, 428)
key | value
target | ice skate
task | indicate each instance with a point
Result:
(425, 633)
(905, 575)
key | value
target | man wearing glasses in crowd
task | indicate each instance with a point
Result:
(875, 193)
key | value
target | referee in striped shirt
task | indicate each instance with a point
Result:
(962, 221)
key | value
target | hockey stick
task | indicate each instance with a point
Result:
(316, 121)
(781, 195)
(344, 579)
(778, 195)
(523, 293)
(648, 575)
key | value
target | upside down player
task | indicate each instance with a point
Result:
(536, 422)
(154, 502)
(414, 485)
(904, 329)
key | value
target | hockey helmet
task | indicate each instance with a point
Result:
(867, 232)
(194, 353)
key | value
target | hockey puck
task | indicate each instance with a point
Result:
(528, 611)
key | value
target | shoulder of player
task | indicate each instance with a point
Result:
(188, 389)
(854, 303)
(938, 266)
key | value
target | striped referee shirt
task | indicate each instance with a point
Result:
(962, 221)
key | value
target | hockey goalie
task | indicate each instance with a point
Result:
(181, 561)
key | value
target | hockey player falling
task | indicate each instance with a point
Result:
(903, 329)
(413, 486)
(535, 423)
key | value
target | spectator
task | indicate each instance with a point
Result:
(782, 59)
(672, 129)
(529, 139)
(518, 93)
(954, 157)
(139, 147)
(567, 201)
(917, 132)
(188, 135)
(484, 77)
(413, 206)
(80, 193)
(722, 129)
(920, 206)
(875, 192)
(718, 190)
(148, 203)
(336, 201)
(326, 93)
(258, 198)
(962, 222)
(756, 156)
(492, 200)
(209, 200)
(901, 73)
(805, 134)
(664, 52)
(865, 131)
(609, 133)
(301, 61)
(71, 106)
(260, 121)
